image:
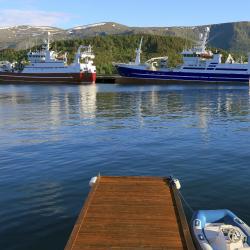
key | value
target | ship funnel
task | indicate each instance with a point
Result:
(138, 53)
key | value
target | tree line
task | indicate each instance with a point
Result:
(115, 48)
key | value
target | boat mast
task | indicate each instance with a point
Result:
(48, 41)
(138, 53)
(204, 39)
(47, 52)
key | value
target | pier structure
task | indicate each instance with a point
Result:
(131, 213)
(106, 78)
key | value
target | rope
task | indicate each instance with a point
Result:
(179, 192)
(186, 203)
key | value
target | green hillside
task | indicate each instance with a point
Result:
(110, 49)
(115, 48)
(231, 36)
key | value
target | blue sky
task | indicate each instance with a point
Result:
(70, 13)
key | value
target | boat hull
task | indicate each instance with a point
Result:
(133, 75)
(12, 77)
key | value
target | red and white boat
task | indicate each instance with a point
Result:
(44, 67)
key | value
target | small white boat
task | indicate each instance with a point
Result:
(219, 230)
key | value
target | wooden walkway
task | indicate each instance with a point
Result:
(131, 213)
(106, 78)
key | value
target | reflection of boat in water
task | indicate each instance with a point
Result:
(219, 230)
(44, 66)
(199, 64)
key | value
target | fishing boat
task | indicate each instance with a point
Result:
(219, 230)
(44, 66)
(199, 65)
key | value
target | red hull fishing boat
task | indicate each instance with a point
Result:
(44, 67)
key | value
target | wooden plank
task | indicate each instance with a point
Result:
(131, 213)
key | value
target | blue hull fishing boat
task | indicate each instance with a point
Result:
(199, 64)
(219, 230)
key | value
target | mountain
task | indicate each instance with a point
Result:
(25, 36)
(229, 36)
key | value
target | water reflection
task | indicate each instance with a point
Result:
(39, 108)
(174, 103)
(87, 101)
(79, 105)
(21, 106)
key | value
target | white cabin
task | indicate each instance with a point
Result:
(46, 61)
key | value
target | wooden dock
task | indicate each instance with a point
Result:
(106, 78)
(131, 213)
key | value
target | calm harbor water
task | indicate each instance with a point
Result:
(55, 138)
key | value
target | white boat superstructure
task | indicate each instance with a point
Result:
(199, 58)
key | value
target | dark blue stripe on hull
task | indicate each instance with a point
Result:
(186, 76)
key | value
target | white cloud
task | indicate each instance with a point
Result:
(12, 17)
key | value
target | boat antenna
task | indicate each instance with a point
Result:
(138, 53)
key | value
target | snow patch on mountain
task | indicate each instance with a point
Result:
(87, 26)
(5, 28)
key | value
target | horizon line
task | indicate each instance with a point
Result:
(131, 26)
